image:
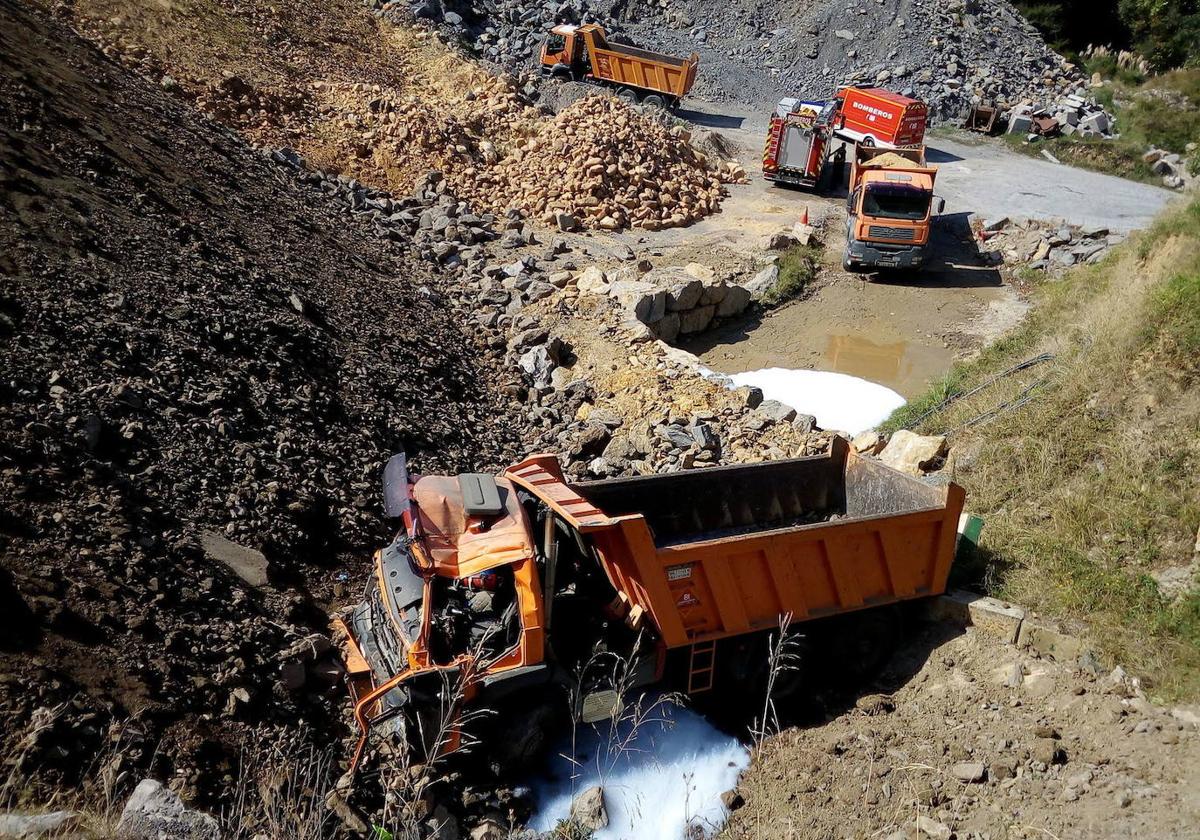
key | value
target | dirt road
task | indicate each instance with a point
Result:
(903, 332)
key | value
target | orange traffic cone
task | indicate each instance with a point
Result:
(804, 218)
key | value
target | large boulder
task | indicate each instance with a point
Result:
(912, 453)
(764, 281)
(537, 365)
(588, 810)
(685, 295)
(155, 812)
(639, 299)
(696, 320)
(736, 299)
(247, 563)
(593, 281)
(15, 826)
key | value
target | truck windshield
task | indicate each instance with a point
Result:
(555, 43)
(891, 201)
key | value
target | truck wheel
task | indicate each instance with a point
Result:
(523, 730)
(868, 141)
(863, 643)
(627, 95)
(654, 101)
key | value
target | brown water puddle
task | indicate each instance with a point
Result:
(903, 366)
(889, 335)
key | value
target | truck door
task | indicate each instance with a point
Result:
(556, 51)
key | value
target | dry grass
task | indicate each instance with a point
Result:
(1089, 477)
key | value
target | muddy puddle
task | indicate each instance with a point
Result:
(794, 338)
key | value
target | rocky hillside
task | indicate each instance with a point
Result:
(754, 52)
(205, 361)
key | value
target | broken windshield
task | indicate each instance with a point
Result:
(892, 201)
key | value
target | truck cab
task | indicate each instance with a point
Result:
(561, 53)
(890, 209)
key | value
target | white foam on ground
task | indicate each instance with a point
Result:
(669, 777)
(839, 402)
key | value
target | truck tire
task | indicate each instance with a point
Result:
(627, 94)
(523, 729)
(868, 141)
(655, 101)
(862, 643)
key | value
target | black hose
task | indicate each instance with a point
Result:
(1028, 363)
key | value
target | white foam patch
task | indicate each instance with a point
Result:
(671, 776)
(839, 402)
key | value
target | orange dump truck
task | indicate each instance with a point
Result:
(889, 209)
(523, 593)
(584, 53)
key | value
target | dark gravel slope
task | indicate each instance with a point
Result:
(190, 341)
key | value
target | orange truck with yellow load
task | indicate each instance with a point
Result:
(584, 53)
(889, 209)
(531, 596)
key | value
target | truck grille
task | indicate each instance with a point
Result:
(884, 232)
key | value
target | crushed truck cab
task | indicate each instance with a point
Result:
(511, 594)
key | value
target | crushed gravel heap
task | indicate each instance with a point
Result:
(607, 165)
(599, 159)
(196, 348)
(948, 54)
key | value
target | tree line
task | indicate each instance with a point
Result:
(1165, 32)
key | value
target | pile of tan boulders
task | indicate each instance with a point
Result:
(390, 138)
(598, 164)
(601, 164)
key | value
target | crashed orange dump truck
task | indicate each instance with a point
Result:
(519, 593)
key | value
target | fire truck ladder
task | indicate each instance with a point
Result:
(771, 151)
(702, 666)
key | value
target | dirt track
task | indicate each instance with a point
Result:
(900, 331)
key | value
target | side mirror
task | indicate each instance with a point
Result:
(941, 204)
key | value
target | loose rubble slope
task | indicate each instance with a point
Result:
(402, 106)
(975, 738)
(193, 342)
(754, 52)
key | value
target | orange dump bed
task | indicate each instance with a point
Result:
(723, 551)
(625, 65)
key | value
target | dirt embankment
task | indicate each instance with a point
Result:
(193, 341)
(975, 738)
(404, 105)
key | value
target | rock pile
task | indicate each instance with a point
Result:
(1047, 246)
(1177, 172)
(505, 31)
(1066, 116)
(601, 164)
(598, 164)
(205, 367)
(948, 55)
(672, 301)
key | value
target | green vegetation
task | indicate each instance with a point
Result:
(1166, 32)
(1089, 479)
(797, 268)
(1163, 111)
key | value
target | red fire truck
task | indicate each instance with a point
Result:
(877, 117)
(797, 142)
